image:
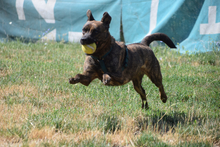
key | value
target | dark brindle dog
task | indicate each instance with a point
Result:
(115, 64)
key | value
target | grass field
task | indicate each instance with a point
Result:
(38, 107)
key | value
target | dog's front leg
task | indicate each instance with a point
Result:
(106, 79)
(113, 79)
(83, 79)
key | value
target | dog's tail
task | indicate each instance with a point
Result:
(158, 37)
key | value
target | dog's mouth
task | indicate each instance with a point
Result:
(88, 41)
(97, 43)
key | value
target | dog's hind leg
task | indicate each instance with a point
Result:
(137, 86)
(156, 77)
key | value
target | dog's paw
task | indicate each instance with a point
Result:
(145, 106)
(106, 79)
(163, 98)
(72, 81)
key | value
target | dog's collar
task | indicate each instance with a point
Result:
(101, 61)
(125, 59)
(102, 64)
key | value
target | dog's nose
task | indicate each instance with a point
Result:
(86, 39)
(82, 41)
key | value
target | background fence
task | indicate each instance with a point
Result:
(193, 25)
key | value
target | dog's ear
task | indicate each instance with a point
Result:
(89, 15)
(106, 19)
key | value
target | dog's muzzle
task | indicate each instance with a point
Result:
(86, 39)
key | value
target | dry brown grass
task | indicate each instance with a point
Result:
(15, 114)
(4, 73)
(40, 134)
(18, 89)
(121, 138)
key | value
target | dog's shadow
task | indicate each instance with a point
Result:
(163, 123)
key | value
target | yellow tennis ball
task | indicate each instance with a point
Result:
(89, 48)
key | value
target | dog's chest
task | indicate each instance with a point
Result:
(113, 61)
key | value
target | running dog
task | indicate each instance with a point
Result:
(115, 63)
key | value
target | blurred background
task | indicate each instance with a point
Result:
(193, 25)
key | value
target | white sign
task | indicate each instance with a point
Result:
(212, 27)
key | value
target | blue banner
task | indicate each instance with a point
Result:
(193, 25)
(144, 17)
(53, 19)
(205, 34)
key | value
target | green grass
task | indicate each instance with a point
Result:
(38, 107)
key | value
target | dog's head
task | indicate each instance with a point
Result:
(95, 31)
